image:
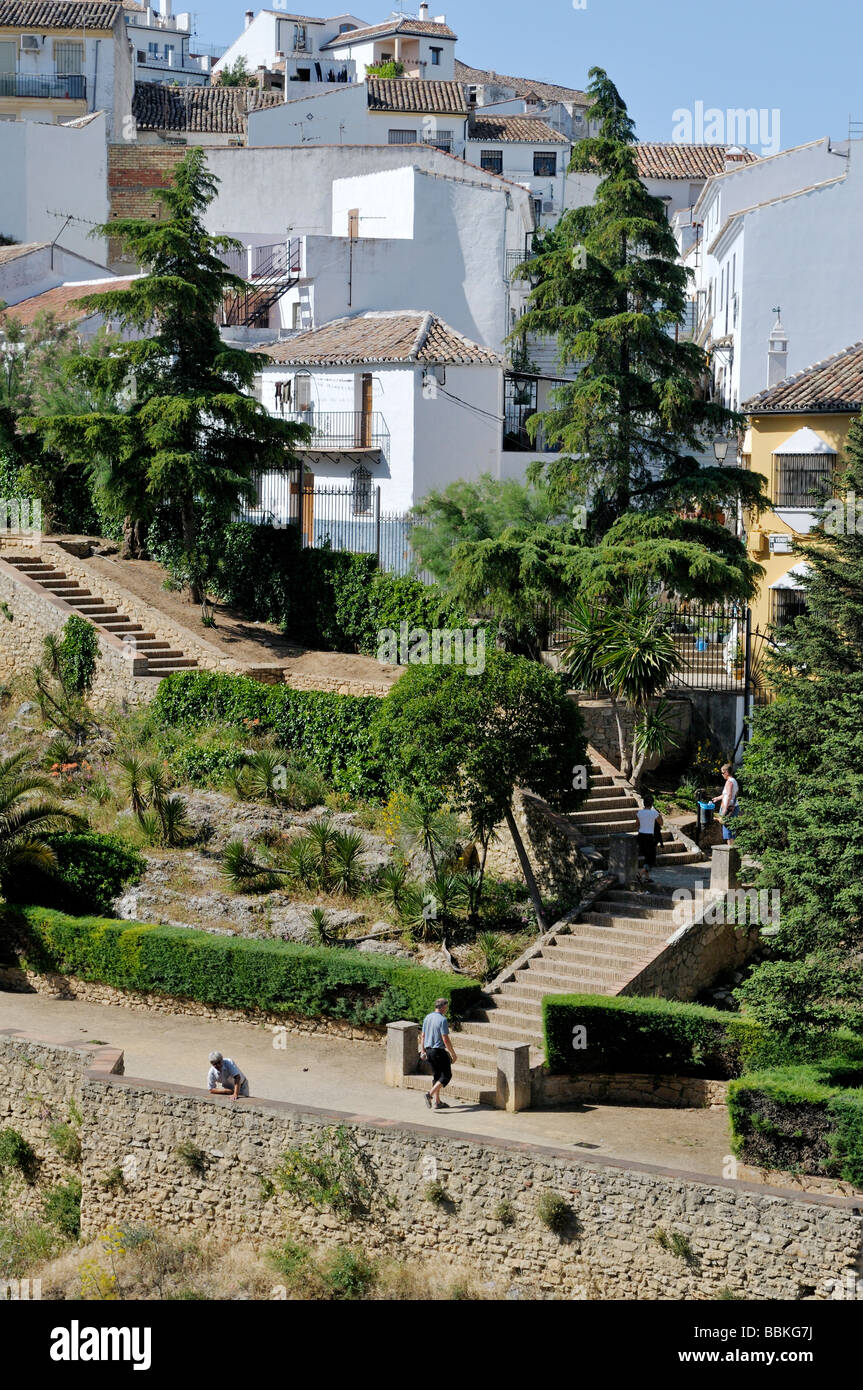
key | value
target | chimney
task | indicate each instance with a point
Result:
(424, 11)
(777, 352)
(262, 76)
(250, 14)
(734, 158)
(165, 9)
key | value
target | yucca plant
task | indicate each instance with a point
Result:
(392, 884)
(321, 932)
(493, 953)
(343, 872)
(173, 813)
(132, 782)
(244, 873)
(302, 862)
(27, 813)
(322, 834)
(266, 775)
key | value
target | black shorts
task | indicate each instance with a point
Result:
(647, 849)
(441, 1066)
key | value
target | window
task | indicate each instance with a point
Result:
(304, 74)
(296, 315)
(544, 165)
(153, 50)
(68, 58)
(8, 53)
(402, 137)
(435, 57)
(786, 605)
(801, 480)
(491, 161)
(361, 482)
(299, 38)
(303, 392)
(347, 28)
(441, 141)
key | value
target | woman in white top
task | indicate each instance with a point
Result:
(728, 802)
(649, 822)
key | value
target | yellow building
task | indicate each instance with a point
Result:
(796, 438)
(61, 59)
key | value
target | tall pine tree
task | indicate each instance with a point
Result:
(193, 434)
(609, 286)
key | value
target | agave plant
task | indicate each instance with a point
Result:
(27, 813)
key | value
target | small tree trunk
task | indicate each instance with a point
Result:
(526, 868)
(621, 738)
(189, 545)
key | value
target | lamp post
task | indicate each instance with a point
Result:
(720, 448)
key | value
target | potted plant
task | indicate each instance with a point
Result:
(738, 661)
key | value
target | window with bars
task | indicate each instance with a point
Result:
(361, 483)
(801, 480)
(786, 605)
(441, 140)
(402, 137)
(68, 57)
(544, 165)
(491, 161)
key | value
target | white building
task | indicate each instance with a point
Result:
(55, 183)
(63, 304)
(424, 47)
(61, 59)
(275, 40)
(164, 48)
(395, 399)
(38, 267)
(525, 150)
(778, 234)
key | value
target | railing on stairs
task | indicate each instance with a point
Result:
(274, 270)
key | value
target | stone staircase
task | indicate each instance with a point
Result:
(608, 946)
(161, 657)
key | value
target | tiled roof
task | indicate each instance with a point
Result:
(59, 14)
(509, 128)
(549, 91)
(415, 95)
(417, 27)
(23, 248)
(408, 336)
(836, 384)
(211, 110)
(62, 302)
(670, 160)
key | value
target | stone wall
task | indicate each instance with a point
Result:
(758, 1242)
(34, 614)
(553, 847)
(629, 1088)
(600, 727)
(694, 956)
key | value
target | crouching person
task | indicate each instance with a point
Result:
(225, 1078)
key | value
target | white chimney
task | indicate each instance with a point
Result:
(250, 14)
(424, 11)
(165, 8)
(777, 352)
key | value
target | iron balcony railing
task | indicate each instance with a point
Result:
(346, 430)
(273, 271)
(73, 87)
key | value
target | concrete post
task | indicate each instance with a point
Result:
(513, 1076)
(623, 858)
(724, 865)
(402, 1051)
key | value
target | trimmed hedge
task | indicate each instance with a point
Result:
(92, 870)
(278, 976)
(807, 1119)
(660, 1036)
(332, 731)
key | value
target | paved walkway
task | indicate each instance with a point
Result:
(342, 1075)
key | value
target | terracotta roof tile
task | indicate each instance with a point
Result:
(409, 336)
(59, 14)
(62, 302)
(514, 128)
(417, 27)
(415, 95)
(523, 86)
(674, 161)
(836, 384)
(211, 110)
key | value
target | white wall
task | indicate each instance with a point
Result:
(42, 270)
(454, 440)
(50, 170)
(340, 116)
(518, 167)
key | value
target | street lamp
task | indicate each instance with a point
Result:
(720, 448)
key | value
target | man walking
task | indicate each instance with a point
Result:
(438, 1051)
(225, 1078)
(728, 807)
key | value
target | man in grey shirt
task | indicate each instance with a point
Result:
(437, 1050)
(225, 1078)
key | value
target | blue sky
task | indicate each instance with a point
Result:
(800, 56)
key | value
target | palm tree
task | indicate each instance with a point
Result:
(627, 651)
(27, 814)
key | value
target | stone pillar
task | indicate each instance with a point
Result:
(623, 858)
(724, 864)
(402, 1051)
(513, 1076)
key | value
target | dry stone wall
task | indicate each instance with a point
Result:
(758, 1242)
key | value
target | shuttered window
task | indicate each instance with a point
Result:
(68, 57)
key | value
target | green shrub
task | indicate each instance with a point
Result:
(66, 1141)
(348, 1274)
(330, 731)
(193, 1157)
(277, 976)
(92, 870)
(17, 1154)
(436, 1194)
(805, 1119)
(505, 1212)
(630, 1034)
(62, 1207)
(329, 1171)
(23, 1244)
(78, 651)
(553, 1211)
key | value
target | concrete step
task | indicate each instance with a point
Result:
(171, 663)
(578, 979)
(608, 803)
(617, 898)
(525, 993)
(582, 818)
(479, 1088)
(649, 927)
(610, 942)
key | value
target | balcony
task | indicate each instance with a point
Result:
(73, 87)
(513, 260)
(341, 431)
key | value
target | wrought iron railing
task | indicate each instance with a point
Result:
(72, 87)
(274, 269)
(349, 430)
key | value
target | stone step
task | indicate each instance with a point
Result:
(127, 628)
(626, 945)
(578, 979)
(96, 610)
(480, 1088)
(690, 857)
(524, 992)
(582, 818)
(172, 663)
(608, 803)
(646, 925)
(644, 902)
